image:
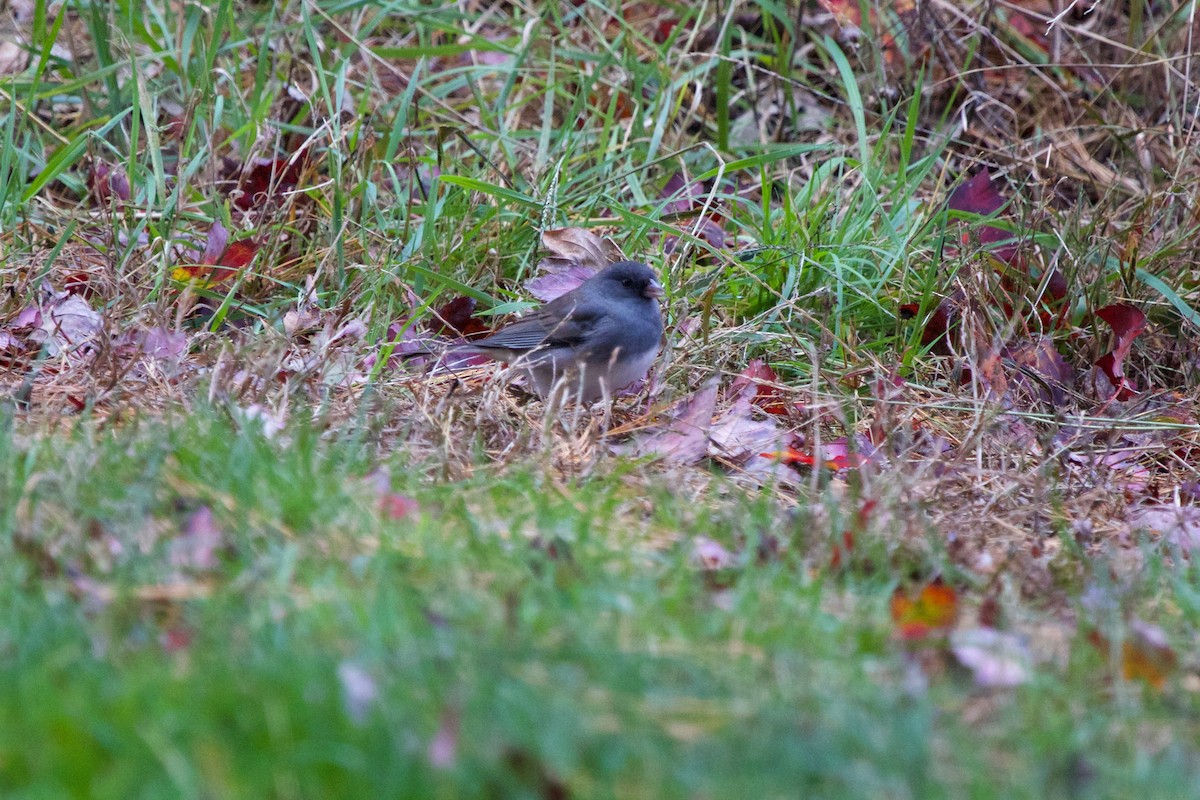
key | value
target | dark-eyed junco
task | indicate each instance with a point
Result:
(594, 340)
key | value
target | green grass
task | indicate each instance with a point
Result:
(543, 627)
(608, 662)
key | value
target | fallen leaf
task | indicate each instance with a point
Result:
(267, 179)
(457, 317)
(557, 282)
(995, 659)
(397, 506)
(981, 195)
(1177, 525)
(108, 181)
(195, 548)
(160, 343)
(683, 438)
(1127, 322)
(1146, 654)
(215, 243)
(576, 254)
(943, 321)
(359, 691)
(63, 324)
(443, 747)
(930, 611)
(739, 435)
(13, 57)
(841, 551)
(220, 261)
(765, 382)
(1041, 358)
(710, 554)
(681, 194)
(581, 247)
(892, 25)
(835, 455)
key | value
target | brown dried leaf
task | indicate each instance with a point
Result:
(581, 247)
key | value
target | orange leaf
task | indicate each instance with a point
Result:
(1145, 654)
(932, 610)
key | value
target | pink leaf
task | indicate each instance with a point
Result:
(555, 284)
(683, 439)
(164, 344)
(214, 246)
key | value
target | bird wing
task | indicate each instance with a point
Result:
(550, 327)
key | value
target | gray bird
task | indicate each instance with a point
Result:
(596, 339)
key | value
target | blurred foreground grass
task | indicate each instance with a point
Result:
(509, 635)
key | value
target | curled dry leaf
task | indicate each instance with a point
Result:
(13, 57)
(63, 324)
(108, 181)
(581, 247)
(1041, 359)
(1127, 323)
(765, 383)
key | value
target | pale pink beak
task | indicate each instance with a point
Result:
(655, 290)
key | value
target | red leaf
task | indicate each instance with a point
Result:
(977, 195)
(220, 261)
(763, 380)
(835, 455)
(457, 317)
(268, 178)
(1127, 323)
(239, 254)
(841, 552)
(941, 323)
(980, 195)
(397, 506)
(107, 182)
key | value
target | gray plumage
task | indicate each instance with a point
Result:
(596, 339)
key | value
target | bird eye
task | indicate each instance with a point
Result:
(626, 282)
